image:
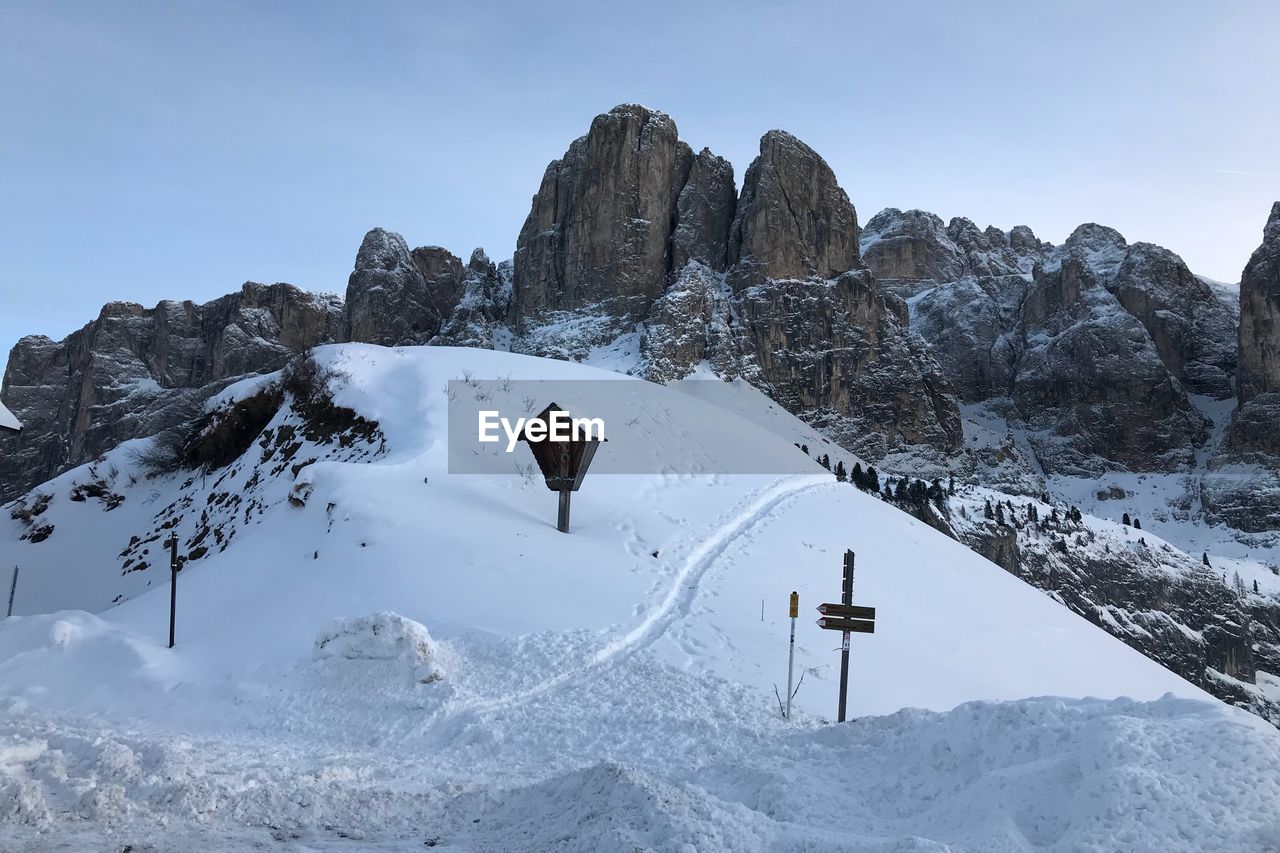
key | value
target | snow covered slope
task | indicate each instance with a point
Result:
(608, 689)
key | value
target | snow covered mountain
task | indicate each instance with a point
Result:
(371, 650)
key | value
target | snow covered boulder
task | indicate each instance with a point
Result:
(385, 637)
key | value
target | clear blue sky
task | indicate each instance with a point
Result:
(175, 150)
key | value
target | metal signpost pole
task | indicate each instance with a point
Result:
(173, 585)
(13, 587)
(846, 599)
(791, 652)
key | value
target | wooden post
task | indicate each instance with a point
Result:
(173, 585)
(846, 598)
(562, 520)
(13, 587)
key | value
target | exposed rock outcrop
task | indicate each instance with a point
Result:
(1156, 599)
(1242, 486)
(133, 371)
(911, 251)
(793, 220)
(1260, 315)
(1093, 350)
(395, 296)
(1089, 380)
(479, 320)
(1193, 331)
(600, 227)
(972, 326)
(704, 213)
(838, 353)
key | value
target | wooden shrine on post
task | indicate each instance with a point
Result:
(563, 462)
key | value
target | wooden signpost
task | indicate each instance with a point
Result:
(563, 463)
(846, 618)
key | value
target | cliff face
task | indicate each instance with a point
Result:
(793, 219)
(1260, 315)
(600, 227)
(1242, 487)
(912, 251)
(1094, 347)
(133, 370)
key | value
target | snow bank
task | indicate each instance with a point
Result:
(384, 636)
(74, 659)
(1169, 775)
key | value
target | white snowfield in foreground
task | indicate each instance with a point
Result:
(497, 685)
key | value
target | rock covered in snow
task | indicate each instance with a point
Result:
(383, 636)
(1096, 348)
(134, 371)
(1089, 380)
(1159, 600)
(911, 251)
(692, 322)
(1192, 329)
(480, 315)
(395, 296)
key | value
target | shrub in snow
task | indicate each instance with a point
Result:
(384, 636)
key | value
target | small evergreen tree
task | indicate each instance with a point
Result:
(825, 461)
(987, 511)
(1255, 586)
(900, 491)
(1000, 514)
(1125, 520)
(1204, 558)
(841, 474)
(858, 477)
(1137, 523)
(805, 448)
(873, 479)
(951, 484)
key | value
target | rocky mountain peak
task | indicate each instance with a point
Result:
(382, 250)
(395, 296)
(793, 220)
(599, 229)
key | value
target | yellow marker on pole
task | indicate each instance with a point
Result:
(791, 652)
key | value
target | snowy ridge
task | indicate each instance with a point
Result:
(606, 690)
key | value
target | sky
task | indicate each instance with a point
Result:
(175, 150)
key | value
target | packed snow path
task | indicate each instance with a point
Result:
(702, 554)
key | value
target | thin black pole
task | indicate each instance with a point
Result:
(846, 598)
(173, 585)
(13, 587)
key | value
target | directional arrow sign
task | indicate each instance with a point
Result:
(847, 611)
(857, 626)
